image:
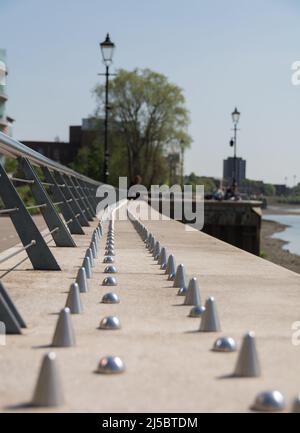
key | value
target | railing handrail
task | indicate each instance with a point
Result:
(12, 147)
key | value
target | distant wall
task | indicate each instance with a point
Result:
(237, 223)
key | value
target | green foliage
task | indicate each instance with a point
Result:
(10, 164)
(148, 112)
(209, 183)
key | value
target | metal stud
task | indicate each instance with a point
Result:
(109, 281)
(248, 363)
(110, 269)
(162, 260)
(269, 401)
(64, 335)
(87, 266)
(156, 250)
(197, 311)
(108, 259)
(210, 320)
(110, 322)
(110, 365)
(73, 300)
(110, 298)
(171, 268)
(48, 390)
(296, 405)
(110, 252)
(192, 296)
(180, 279)
(182, 291)
(224, 344)
(81, 280)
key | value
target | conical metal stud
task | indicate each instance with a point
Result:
(224, 344)
(109, 281)
(48, 390)
(269, 401)
(182, 291)
(110, 298)
(64, 335)
(110, 323)
(192, 296)
(108, 259)
(197, 311)
(110, 269)
(73, 300)
(87, 267)
(248, 363)
(210, 320)
(94, 250)
(110, 365)
(296, 405)
(162, 260)
(81, 280)
(180, 278)
(156, 251)
(171, 268)
(152, 244)
(148, 240)
(89, 254)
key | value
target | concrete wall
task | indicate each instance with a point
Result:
(237, 223)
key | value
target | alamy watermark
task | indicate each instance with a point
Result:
(182, 204)
(295, 78)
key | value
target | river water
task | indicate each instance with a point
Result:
(291, 234)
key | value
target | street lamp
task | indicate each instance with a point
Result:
(107, 50)
(235, 119)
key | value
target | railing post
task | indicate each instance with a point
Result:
(86, 198)
(80, 198)
(72, 200)
(66, 209)
(39, 253)
(61, 236)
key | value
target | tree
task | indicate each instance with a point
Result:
(152, 119)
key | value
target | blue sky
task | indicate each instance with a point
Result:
(222, 53)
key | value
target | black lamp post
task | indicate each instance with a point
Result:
(107, 49)
(235, 118)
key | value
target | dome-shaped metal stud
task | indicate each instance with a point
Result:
(110, 252)
(110, 322)
(108, 259)
(110, 269)
(269, 401)
(110, 365)
(224, 344)
(110, 298)
(296, 405)
(109, 281)
(197, 311)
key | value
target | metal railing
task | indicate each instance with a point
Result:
(66, 200)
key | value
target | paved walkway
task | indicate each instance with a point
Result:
(8, 235)
(170, 367)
